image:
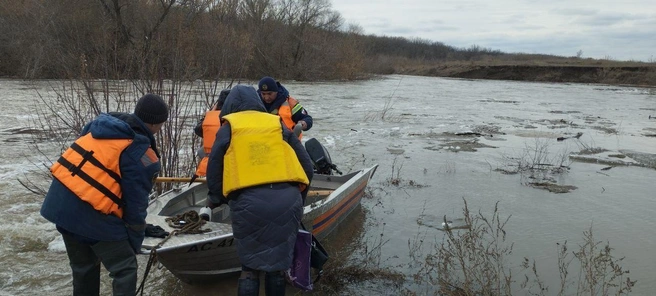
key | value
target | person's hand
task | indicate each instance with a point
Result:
(303, 124)
(298, 129)
(211, 205)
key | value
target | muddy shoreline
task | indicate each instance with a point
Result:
(643, 76)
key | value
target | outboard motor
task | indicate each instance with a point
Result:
(323, 164)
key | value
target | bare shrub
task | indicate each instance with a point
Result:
(385, 114)
(599, 272)
(395, 179)
(476, 261)
(473, 261)
(62, 116)
(586, 148)
(537, 160)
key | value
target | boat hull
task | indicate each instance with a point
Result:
(196, 258)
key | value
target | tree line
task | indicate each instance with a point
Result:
(198, 39)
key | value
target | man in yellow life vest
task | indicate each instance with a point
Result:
(263, 171)
(207, 128)
(277, 101)
(99, 195)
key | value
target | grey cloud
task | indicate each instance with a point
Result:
(614, 44)
(527, 27)
(600, 31)
(648, 22)
(436, 26)
(603, 19)
(574, 11)
(387, 27)
(400, 30)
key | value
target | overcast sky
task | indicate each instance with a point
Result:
(620, 30)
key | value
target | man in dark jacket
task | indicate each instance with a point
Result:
(262, 170)
(277, 101)
(99, 195)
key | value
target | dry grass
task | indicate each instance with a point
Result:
(476, 261)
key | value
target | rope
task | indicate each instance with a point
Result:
(189, 223)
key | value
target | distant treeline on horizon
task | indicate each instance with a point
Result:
(194, 39)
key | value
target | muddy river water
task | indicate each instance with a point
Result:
(559, 159)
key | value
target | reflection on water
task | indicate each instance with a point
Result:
(422, 175)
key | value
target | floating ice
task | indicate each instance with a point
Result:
(57, 245)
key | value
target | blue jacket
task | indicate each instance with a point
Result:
(78, 218)
(281, 97)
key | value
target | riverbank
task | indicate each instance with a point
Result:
(638, 75)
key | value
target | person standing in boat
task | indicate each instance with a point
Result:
(277, 101)
(262, 171)
(207, 129)
(99, 195)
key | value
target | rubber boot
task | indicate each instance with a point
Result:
(248, 287)
(274, 284)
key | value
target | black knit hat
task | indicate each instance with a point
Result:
(222, 97)
(267, 84)
(151, 109)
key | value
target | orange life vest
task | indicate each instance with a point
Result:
(286, 111)
(211, 125)
(90, 169)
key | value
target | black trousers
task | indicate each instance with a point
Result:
(117, 257)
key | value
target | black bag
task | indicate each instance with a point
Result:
(155, 231)
(318, 256)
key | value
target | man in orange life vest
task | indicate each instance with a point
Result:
(277, 101)
(207, 128)
(99, 195)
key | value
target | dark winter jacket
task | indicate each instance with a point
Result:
(281, 97)
(78, 218)
(265, 218)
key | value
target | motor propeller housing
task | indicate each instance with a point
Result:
(323, 164)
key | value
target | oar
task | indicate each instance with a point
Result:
(202, 180)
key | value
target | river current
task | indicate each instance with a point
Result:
(437, 142)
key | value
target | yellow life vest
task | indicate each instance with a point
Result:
(90, 169)
(257, 153)
(211, 125)
(286, 111)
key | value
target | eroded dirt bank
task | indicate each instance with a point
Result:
(641, 76)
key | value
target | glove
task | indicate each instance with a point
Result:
(155, 231)
(212, 205)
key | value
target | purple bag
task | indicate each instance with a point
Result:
(299, 274)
